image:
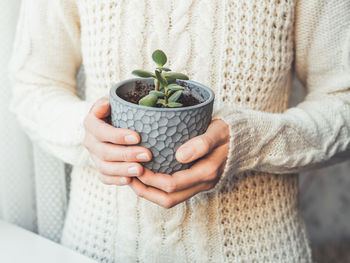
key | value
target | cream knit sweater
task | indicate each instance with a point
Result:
(244, 51)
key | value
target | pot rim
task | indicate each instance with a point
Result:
(113, 95)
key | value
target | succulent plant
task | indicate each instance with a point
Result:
(166, 92)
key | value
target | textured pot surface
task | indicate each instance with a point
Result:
(162, 130)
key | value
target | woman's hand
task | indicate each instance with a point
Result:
(106, 144)
(210, 149)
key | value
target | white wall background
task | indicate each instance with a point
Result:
(16, 169)
(32, 183)
(324, 198)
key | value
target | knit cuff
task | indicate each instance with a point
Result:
(72, 150)
(246, 127)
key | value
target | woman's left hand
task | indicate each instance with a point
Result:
(210, 149)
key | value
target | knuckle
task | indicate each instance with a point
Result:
(211, 166)
(171, 187)
(86, 142)
(98, 164)
(101, 167)
(116, 138)
(140, 194)
(118, 182)
(103, 155)
(94, 160)
(206, 170)
(209, 172)
(96, 129)
(108, 180)
(168, 203)
(85, 123)
(210, 177)
(104, 179)
(99, 130)
(206, 142)
(125, 154)
(208, 186)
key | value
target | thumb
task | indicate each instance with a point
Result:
(197, 147)
(101, 109)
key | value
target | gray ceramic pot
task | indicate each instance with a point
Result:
(162, 130)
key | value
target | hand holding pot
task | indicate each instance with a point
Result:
(210, 149)
(108, 148)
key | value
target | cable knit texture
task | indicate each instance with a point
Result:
(244, 51)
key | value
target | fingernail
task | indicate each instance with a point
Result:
(185, 154)
(133, 171)
(132, 139)
(123, 180)
(142, 157)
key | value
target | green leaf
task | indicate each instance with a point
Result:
(176, 75)
(159, 58)
(161, 78)
(162, 101)
(175, 87)
(175, 96)
(149, 100)
(164, 69)
(156, 93)
(143, 74)
(174, 105)
(170, 79)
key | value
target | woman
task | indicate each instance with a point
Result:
(238, 202)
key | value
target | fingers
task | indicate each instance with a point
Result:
(164, 199)
(101, 108)
(194, 148)
(117, 168)
(117, 153)
(204, 171)
(168, 191)
(169, 183)
(163, 182)
(216, 134)
(116, 163)
(116, 180)
(105, 132)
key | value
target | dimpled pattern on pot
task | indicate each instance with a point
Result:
(162, 131)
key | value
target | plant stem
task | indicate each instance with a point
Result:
(157, 85)
(166, 95)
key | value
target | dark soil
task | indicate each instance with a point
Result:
(138, 92)
(188, 99)
(141, 89)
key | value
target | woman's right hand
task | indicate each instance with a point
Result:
(115, 161)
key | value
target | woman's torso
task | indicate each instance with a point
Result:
(243, 50)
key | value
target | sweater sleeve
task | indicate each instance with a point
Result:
(316, 132)
(43, 68)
